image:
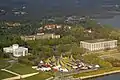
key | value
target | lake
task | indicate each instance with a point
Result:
(115, 22)
(109, 77)
(38, 8)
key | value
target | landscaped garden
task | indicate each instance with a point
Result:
(22, 69)
(4, 75)
(40, 76)
(114, 56)
(3, 64)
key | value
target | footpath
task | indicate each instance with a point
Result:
(18, 76)
(10, 72)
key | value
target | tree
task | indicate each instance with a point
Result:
(77, 51)
(64, 48)
(67, 39)
(94, 59)
(118, 48)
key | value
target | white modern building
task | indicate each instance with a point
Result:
(99, 44)
(16, 50)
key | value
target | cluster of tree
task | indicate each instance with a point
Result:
(25, 28)
(68, 44)
(11, 35)
(4, 55)
(114, 62)
(94, 59)
(27, 60)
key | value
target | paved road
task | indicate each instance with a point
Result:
(68, 76)
(72, 73)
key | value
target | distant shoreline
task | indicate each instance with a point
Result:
(98, 75)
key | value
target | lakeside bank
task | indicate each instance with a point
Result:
(94, 74)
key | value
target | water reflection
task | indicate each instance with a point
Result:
(109, 77)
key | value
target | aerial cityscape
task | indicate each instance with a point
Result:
(59, 40)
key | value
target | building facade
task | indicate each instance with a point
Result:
(16, 50)
(40, 36)
(52, 26)
(99, 44)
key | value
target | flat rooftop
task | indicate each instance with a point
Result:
(97, 40)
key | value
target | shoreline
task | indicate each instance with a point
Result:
(97, 75)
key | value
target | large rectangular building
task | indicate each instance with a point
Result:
(40, 36)
(98, 44)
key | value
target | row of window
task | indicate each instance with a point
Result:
(108, 44)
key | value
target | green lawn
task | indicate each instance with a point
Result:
(40, 76)
(114, 56)
(3, 64)
(25, 69)
(4, 75)
(103, 52)
(22, 69)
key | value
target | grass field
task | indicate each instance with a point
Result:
(40, 76)
(22, 69)
(3, 64)
(103, 52)
(114, 55)
(4, 75)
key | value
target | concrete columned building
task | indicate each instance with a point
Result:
(98, 44)
(16, 50)
(40, 36)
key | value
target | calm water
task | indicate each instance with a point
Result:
(109, 77)
(115, 22)
(38, 8)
